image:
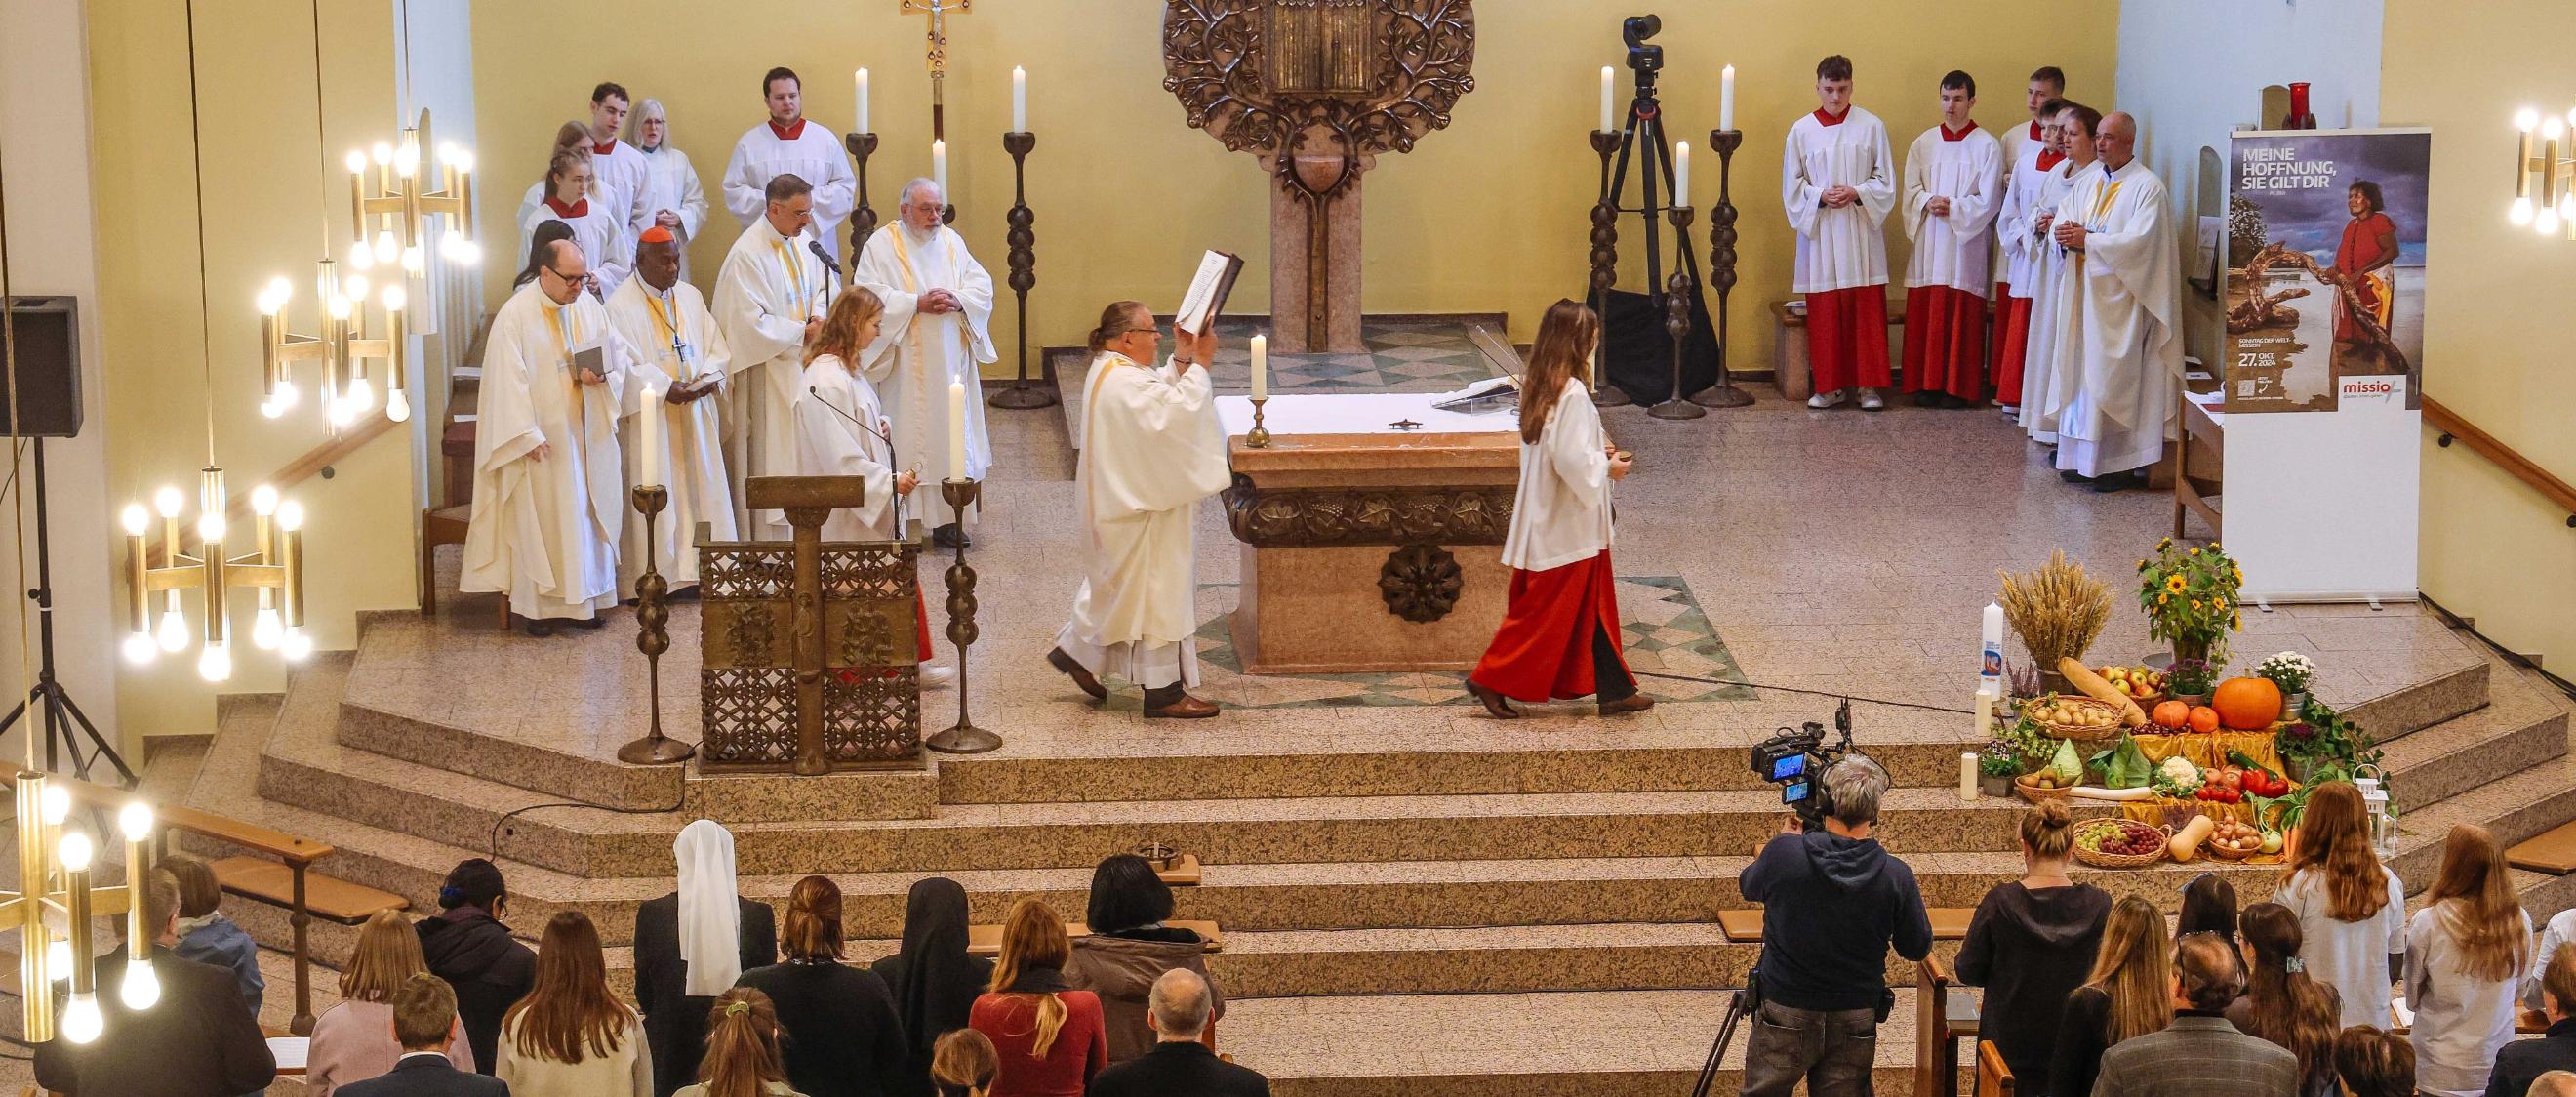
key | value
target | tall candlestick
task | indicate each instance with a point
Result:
(1019, 99)
(1681, 173)
(957, 430)
(939, 168)
(1726, 98)
(651, 438)
(1260, 366)
(1608, 99)
(863, 102)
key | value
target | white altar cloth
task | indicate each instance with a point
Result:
(1361, 413)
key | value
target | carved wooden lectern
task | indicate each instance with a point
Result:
(811, 651)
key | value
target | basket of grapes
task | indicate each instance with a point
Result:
(2120, 843)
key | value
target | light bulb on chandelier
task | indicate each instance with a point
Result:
(214, 663)
(81, 1020)
(2520, 212)
(354, 287)
(266, 630)
(2546, 221)
(414, 261)
(142, 988)
(398, 406)
(361, 256)
(361, 398)
(388, 249)
(58, 959)
(173, 633)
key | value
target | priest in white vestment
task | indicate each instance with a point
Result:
(1152, 448)
(673, 200)
(547, 476)
(2128, 373)
(2029, 156)
(1838, 182)
(2048, 378)
(939, 313)
(770, 299)
(1953, 189)
(681, 362)
(618, 167)
(789, 143)
(600, 233)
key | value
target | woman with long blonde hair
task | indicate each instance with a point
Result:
(742, 1049)
(2129, 994)
(572, 1036)
(1050, 1038)
(354, 1041)
(2467, 953)
(2352, 911)
(1560, 632)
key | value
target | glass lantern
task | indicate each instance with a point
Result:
(2383, 825)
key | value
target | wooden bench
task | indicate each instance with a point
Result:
(1994, 1079)
(986, 940)
(2551, 851)
(1743, 925)
(1942, 1018)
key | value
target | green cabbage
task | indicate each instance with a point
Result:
(2124, 766)
(2067, 766)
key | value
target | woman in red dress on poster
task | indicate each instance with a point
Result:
(1560, 631)
(2364, 266)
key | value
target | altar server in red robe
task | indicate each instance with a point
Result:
(1560, 631)
(1838, 182)
(1954, 185)
(2029, 155)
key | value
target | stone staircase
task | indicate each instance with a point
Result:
(1482, 911)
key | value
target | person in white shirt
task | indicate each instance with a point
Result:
(2029, 154)
(2468, 955)
(2352, 911)
(1953, 189)
(1838, 182)
(618, 168)
(789, 143)
(601, 234)
(1560, 630)
(672, 200)
(570, 135)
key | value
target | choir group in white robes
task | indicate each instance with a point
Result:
(921, 352)
(788, 143)
(1841, 266)
(2055, 314)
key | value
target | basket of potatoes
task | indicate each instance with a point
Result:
(2080, 718)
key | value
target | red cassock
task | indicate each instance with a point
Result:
(1551, 624)
(1847, 338)
(1945, 342)
(2012, 344)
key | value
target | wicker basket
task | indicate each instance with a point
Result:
(2079, 732)
(2117, 860)
(2213, 849)
(2033, 794)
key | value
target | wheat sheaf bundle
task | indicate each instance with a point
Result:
(2058, 610)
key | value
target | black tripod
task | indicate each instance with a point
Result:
(1645, 124)
(1735, 1011)
(60, 711)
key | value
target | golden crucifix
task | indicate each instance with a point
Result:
(938, 11)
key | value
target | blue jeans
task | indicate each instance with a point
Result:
(1832, 1051)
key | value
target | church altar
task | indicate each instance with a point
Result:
(1368, 546)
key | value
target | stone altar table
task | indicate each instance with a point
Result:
(1367, 547)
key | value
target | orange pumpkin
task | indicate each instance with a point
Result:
(2247, 704)
(2204, 718)
(2172, 714)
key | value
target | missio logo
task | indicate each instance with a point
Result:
(2367, 388)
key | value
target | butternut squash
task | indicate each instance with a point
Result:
(2186, 842)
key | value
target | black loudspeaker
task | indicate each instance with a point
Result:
(1640, 358)
(46, 346)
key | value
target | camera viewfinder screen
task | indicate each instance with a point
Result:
(1790, 794)
(1792, 766)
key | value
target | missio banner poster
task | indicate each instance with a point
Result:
(2325, 270)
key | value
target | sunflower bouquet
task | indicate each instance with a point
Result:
(2190, 598)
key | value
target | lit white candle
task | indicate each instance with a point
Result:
(1726, 98)
(1260, 366)
(1681, 174)
(1019, 99)
(939, 168)
(651, 438)
(863, 101)
(1608, 100)
(957, 430)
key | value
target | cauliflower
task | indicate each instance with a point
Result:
(2180, 771)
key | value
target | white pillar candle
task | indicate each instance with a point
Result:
(1608, 100)
(1968, 777)
(1990, 654)
(1019, 99)
(863, 101)
(1260, 366)
(1726, 98)
(939, 168)
(650, 438)
(957, 430)
(1681, 174)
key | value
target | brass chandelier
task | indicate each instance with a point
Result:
(2554, 169)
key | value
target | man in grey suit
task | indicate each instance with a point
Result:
(2200, 1054)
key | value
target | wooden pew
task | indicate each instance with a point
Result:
(986, 940)
(1941, 1020)
(1994, 1079)
(1743, 925)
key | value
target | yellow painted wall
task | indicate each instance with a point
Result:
(2493, 344)
(265, 194)
(1489, 215)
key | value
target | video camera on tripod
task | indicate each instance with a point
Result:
(1646, 60)
(1797, 760)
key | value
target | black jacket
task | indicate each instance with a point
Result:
(1176, 1069)
(840, 1035)
(490, 971)
(2030, 949)
(675, 1022)
(427, 1076)
(1833, 905)
(198, 1040)
(2520, 1061)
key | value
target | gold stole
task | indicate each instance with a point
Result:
(912, 331)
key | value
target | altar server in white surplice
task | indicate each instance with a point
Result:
(618, 167)
(770, 299)
(681, 359)
(791, 144)
(1838, 182)
(547, 506)
(939, 312)
(2030, 153)
(673, 200)
(601, 234)
(1954, 185)
(2129, 355)
(570, 135)
(2048, 375)
(1152, 449)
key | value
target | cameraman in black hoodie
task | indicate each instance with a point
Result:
(469, 947)
(1833, 903)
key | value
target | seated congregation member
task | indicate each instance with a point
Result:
(423, 1012)
(2129, 995)
(208, 937)
(2208, 906)
(355, 1040)
(963, 1064)
(2556, 1083)
(2466, 954)
(1560, 631)
(2376, 1063)
(2032, 941)
(1179, 1063)
(1129, 947)
(2352, 912)
(467, 945)
(742, 1049)
(1840, 900)
(690, 946)
(572, 1036)
(933, 979)
(197, 1040)
(1049, 1037)
(837, 1022)
(2281, 1003)
(2199, 1054)
(2520, 1063)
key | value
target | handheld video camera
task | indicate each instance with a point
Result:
(1647, 60)
(1797, 760)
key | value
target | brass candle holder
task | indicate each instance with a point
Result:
(1605, 264)
(653, 637)
(1259, 436)
(1721, 268)
(1023, 239)
(963, 737)
(863, 220)
(1677, 298)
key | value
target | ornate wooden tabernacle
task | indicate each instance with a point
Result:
(811, 651)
